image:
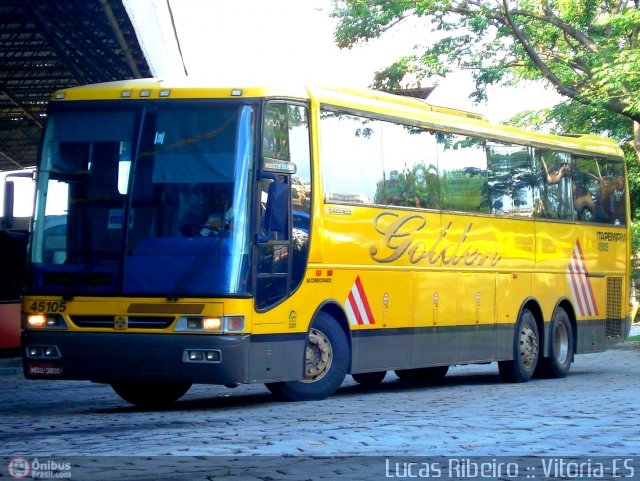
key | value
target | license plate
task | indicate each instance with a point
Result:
(44, 370)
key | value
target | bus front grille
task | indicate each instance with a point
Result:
(133, 322)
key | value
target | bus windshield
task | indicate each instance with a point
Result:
(145, 200)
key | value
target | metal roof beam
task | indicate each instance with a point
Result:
(20, 106)
(12, 160)
(47, 45)
(120, 37)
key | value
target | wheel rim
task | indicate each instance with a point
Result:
(561, 343)
(318, 356)
(528, 347)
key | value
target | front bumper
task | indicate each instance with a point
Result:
(109, 357)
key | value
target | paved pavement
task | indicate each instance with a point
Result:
(593, 412)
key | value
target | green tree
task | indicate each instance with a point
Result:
(587, 50)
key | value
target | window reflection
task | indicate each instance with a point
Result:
(463, 170)
(510, 179)
(377, 162)
(599, 190)
(554, 197)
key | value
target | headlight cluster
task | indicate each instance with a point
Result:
(45, 321)
(210, 324)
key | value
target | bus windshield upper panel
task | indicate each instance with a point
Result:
(147, 201)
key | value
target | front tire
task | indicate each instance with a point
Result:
(325, 367)
(526, 350)
(561, 350)
(150, 394)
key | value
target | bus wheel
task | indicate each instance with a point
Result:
(526, 350)
(369, 379)
(325, 366)
(423, 374)
(560, 347)
(150, 394)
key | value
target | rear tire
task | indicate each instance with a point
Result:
(369, 379)
(150, 394)
(526, 350)
(326, 363)
(558, 364)
(426, 375)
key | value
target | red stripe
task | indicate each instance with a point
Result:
(586, 280)
(354, 308)
(578, 285)
(584, 267)
(365, 301)
(582, 280)
(585, 285)
(576, 288)
(579, 248)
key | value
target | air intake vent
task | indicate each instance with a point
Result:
(614, 322)
(133, 322)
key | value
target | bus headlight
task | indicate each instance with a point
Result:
(46, 321)
(210, 324)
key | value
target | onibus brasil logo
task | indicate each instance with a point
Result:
(20, 467)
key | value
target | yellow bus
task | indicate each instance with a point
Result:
(290, 236)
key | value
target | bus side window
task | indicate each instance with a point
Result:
(599, 190)
(350, 148)
(612, 192)
(585, 190)
(409, 158)
(462, 166)
(510, 179)
(554, 191)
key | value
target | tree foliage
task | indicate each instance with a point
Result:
(587, 50)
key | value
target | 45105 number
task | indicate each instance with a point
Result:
(48, 306)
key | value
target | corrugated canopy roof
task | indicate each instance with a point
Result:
(47, 45)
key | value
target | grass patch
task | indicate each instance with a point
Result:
(633, 339)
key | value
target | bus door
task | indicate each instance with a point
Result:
(274, 241)
(284, 203)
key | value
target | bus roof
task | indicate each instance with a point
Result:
(383, 105)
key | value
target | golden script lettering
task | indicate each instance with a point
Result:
(399, 236)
